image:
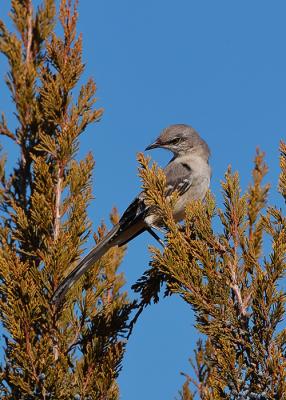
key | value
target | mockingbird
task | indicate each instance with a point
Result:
(188, 172)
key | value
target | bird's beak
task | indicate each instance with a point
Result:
(154, 145)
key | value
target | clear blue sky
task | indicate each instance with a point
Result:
(217, 65)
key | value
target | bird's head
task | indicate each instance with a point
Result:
(181, 139)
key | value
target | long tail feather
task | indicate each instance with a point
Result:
(103, 246)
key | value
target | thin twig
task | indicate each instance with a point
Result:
(30, 32)
(6, 132)
(58, 203)
(242, 304)
(58, 194)
(132, 323)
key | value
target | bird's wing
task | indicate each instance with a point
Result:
(178, 177)
(136, 210)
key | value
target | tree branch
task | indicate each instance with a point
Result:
(242, 304)
(30, 32)
(58, 202)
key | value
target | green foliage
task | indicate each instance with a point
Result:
(231, 285)
(76, 350)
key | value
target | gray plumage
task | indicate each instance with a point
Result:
(188, 172)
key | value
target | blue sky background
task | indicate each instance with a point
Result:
(217, 65)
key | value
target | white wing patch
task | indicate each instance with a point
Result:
(181, 186)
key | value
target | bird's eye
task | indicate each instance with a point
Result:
(175, 140)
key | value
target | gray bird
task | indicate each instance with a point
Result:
(188, 172)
